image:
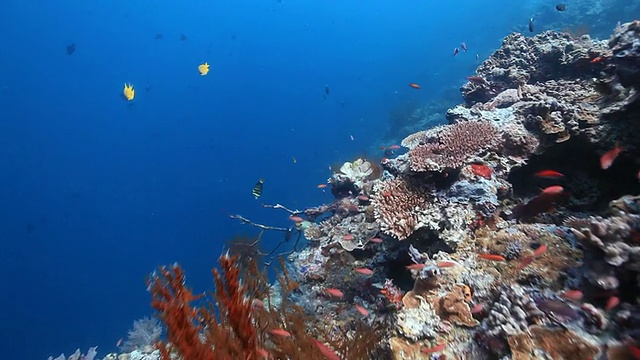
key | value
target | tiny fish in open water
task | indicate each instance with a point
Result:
(257, 189)
(531, 24)
(561, 7)
(203, 69)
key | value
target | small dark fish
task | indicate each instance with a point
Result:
(531, 24)
(71, 49)
(288, 234)
(456, 51)
(326, 89)
(561, 7)
(183, 37)
(257, 189)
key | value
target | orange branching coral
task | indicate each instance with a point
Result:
(453, 146)
(396, 206)
(173, 301)
(237, 324)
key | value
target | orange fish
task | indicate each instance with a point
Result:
(364, 271)
(477, 308)
(612, 303)
(348, 237)
(634, 350)
(540, 250)
(446, 264)
(477, 80)
(280, 332)
(394, 147)
(335, 292)
(553, 190)
(415, 266)
(383, 160)
(609, 157)
(597, 59)
(295, 218)
(552, 174)
(263, 353)
(575, 295)
(363, 198)
(325, 350)
(433, 349)
(414, 85)
(492, 257)
(322, 186)
(376, 240)
(525, 262)
(362, 310)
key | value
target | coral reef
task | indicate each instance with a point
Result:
(496, 260)
(497, 235)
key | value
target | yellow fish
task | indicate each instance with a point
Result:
(204, 69)
(128, 92)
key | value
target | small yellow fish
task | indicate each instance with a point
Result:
(128, 92)
(203, 69)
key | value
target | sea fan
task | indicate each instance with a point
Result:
(145, 333)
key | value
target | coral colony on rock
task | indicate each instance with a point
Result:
(508, 233)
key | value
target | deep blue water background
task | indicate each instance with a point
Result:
(96, 192)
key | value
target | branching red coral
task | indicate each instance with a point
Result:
(237, 324)
(173, 301)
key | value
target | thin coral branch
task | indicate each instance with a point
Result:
(244, 220)
(279, 206)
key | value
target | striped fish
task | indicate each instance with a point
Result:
(257, 189)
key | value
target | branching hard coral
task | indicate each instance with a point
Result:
(396, 204)
(453, 146)
(236, 323)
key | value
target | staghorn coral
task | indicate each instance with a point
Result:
(453, 146)
(395, 203)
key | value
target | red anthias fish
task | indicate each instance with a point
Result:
(477, 80)
(552, 174)
(539, 204)
(609, 157)
(414, 85)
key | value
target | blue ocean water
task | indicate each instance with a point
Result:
(96, 191)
